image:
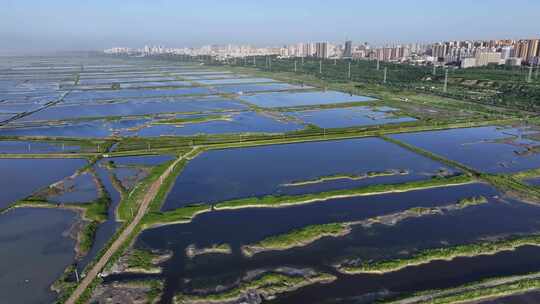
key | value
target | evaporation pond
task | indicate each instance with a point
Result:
(22, 177)
(135, 107)
(234, 81)
(27, 147)
(134, 93)
(348, 117)
(82, 188)
(35, 248)
(242, 122)
(246, 88)
(301, 168)
(296, 99)
(86, 129)
(377, 242)
(489, 149)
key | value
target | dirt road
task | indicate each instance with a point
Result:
(124, 236)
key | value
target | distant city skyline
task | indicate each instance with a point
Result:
(60, 25)
(464, 53)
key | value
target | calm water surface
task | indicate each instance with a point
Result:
(35, 248)
(349, 117)
(242, 122)
(22, 177)
(238, 227)
(236, 173)
(295, 99)
(488, 149)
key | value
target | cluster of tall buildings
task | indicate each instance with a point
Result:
(215, 51)
(461, 53)
(326, 50)
(481, 53)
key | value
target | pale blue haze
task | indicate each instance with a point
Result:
(75, 25)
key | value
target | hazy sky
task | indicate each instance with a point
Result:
(35, 25)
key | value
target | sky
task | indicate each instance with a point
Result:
(56, 25)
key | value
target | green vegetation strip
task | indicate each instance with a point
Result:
(192, 250)
(297, 238)
(267, 285)
(371, 174)
(177, 216)
(484, 293)
(486, 289)
(513, 187)
(87, 236)
(446, 254)
(141, 259)
(223, 141)
(129, 204)
(430, 155)
(527, 174)
(94, 211)
(286, 200)
(136, 195)
(309, 234)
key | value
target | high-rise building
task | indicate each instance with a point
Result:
(532, 50)
(521, 49)
(506, 52)
(308, 49)
(439, 50)
(485, 58)
(347, 52)
(321, 50)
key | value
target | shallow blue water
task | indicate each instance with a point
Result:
(22, 177)
(234, 81)
(239, 227)
(135, 107)
(81, 189)
(245, 172)
(133, 93)
(86, 129)
(533, 181)
(35, 248)
(476, 147)
(26, 147)
(295, 99)
(242, 122)
(247, 88)
(110, 81)
(348, 117)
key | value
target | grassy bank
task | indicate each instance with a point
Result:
(446, 254)
(268, 285)
(156, 217)
(513, 187)
(192, 250)
(309, 234)
(492, 288)
(141, 259)
(527, 174)
(433, 156)
(87, 237)
(177, 216)
(371, 174)
(297, 238)
(222, 141)
(128, 206)
(287, 200)
(94, 211)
